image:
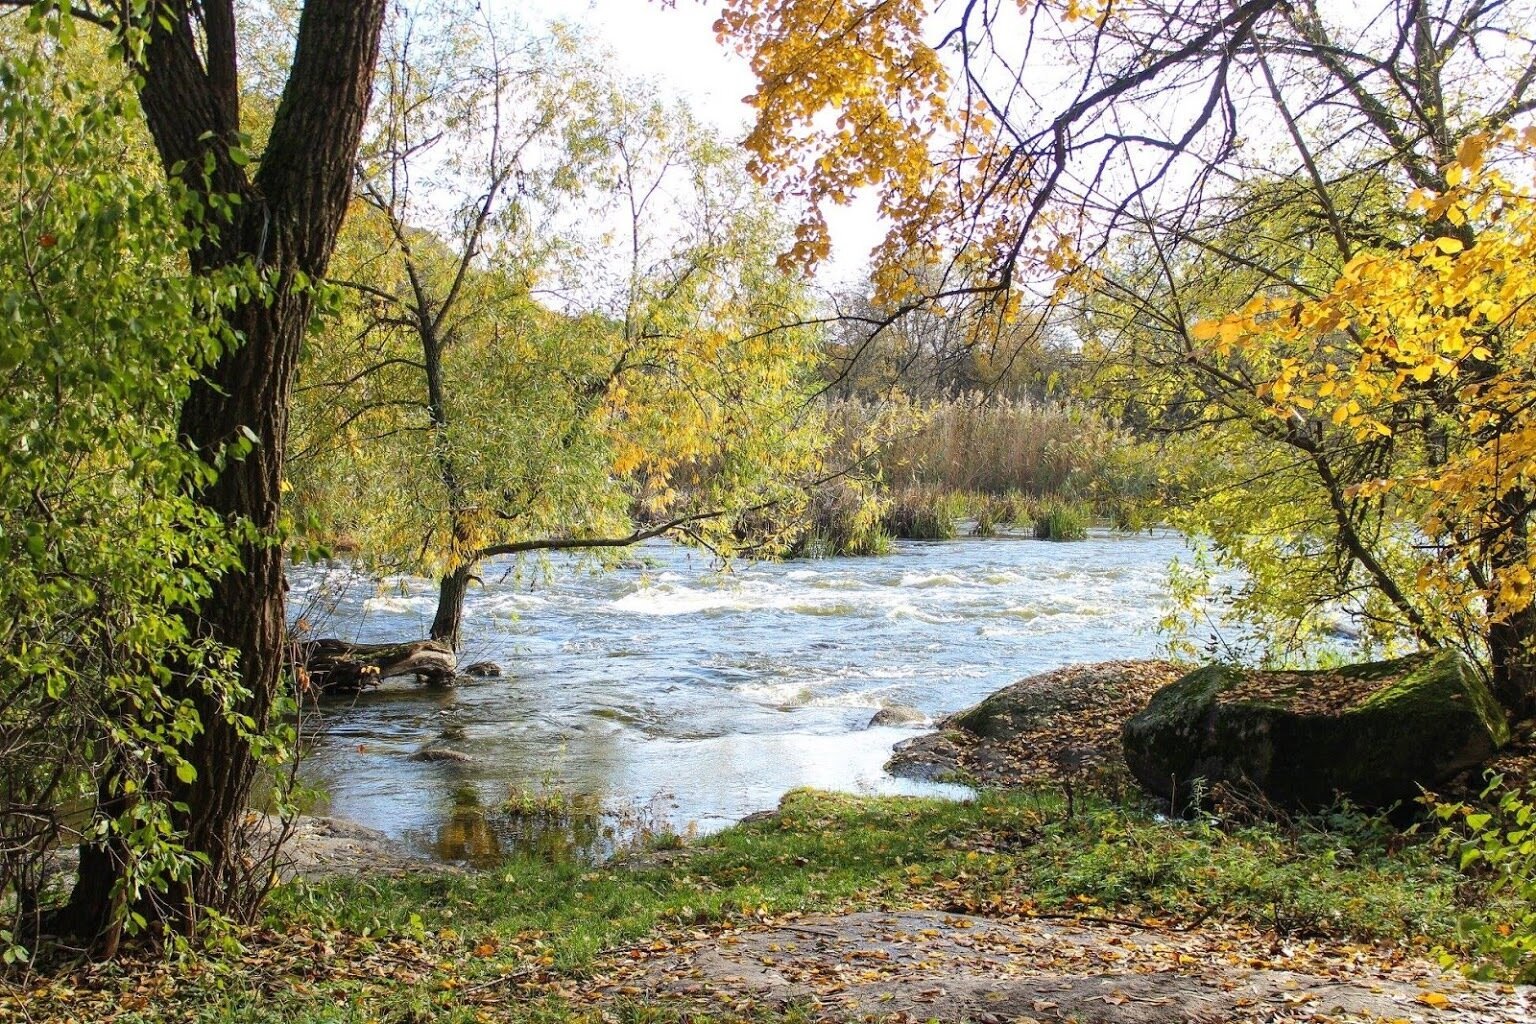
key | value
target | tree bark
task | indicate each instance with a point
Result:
(285, 224)
(448, 621)
(1512, 639)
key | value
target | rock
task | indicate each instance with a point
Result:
(898, 714)
(1375, 732)
(1009, 712)
(1014, 736)
(441, 755)
(483, 669)
(931, 758)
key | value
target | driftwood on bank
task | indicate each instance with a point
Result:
(335, 666)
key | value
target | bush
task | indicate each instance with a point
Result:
(1497, 841)
(923, 513)
(841, 519)
(102, 550)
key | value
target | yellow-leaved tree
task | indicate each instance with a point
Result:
(1162, 165)
(1442, 331)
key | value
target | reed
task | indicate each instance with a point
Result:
(842, 519)
(1062, 520)
(923, 513)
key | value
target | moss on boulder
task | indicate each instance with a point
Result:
(1374, 732)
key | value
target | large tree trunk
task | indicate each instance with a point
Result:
(449, 619)
(285, 224)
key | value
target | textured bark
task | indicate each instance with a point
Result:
(1510, 640)
(286, 223)
(449, 619)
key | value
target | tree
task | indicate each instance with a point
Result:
(1427, 349)
(277, 214)
(450, 415)
(1144, 180)
(103, 549)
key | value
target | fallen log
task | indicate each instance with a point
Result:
(334, 666)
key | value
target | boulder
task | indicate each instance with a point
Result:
(1374, 732)
(483, 669)
(898, 714)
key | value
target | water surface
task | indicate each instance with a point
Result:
(672, 693)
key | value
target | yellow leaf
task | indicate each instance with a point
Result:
(1470, 153)
(1448, 245)
(1438, 1000)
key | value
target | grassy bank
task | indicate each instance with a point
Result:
(521, 942)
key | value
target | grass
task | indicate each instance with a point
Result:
(437, 939)
(1061, 521)
(842, 519)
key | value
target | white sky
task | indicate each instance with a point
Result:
(676, 48)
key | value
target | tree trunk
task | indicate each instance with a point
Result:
(450, 605)
(1511, 655)
(285, 224)
(335, 666)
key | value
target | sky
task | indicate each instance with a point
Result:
(676, 48)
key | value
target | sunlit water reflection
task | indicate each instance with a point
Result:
(677, 696)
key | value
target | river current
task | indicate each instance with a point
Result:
(671, 693)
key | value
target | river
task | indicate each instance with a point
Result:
(671, 695)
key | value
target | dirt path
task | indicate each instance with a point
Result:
(922, 965)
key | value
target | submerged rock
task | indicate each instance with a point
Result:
(1374, 732)
(898, 714)
(483, 669)
(441, 755)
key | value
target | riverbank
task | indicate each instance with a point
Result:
(1112, 913)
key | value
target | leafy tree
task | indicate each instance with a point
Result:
(277, 215)
(102, 549)
(535, 354)
(1199, 155)
(1421, 356)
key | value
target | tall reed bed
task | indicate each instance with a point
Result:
(972, 445)
(1049, 468)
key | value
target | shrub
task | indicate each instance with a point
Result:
(923, 513)
(1497, 840)
(842, 519)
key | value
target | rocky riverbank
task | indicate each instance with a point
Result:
(1046, 728)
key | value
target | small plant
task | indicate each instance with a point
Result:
(1497, 839)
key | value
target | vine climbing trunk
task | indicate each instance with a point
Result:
(284, 224)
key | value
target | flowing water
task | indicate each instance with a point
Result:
(670, 694)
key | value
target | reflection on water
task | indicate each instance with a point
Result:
(557, 827)
(689, 697)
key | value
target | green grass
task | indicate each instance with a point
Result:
(1062, 520)
(918, 513)
(1001, 854)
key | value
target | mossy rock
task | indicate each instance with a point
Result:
(1374, 732)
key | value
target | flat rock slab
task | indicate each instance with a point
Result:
(920, 965)
(317, 848)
